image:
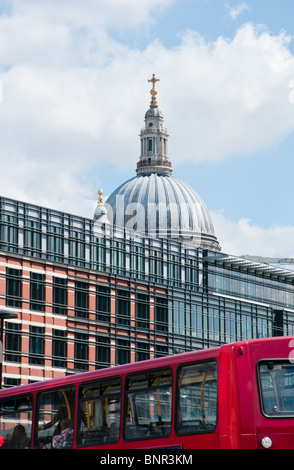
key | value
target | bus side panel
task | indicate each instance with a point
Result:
(247, 410)
(228, 404)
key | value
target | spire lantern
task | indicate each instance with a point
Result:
(154, 140)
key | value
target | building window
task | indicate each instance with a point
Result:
(214, 324)
(12, 342)
(149, 145)
(9, 233)
(55, 243)
(81, 299)
(160, 350)
(59, 348)
(81, 351)
(123, 307)
(77, 248)
(10, 382)
(13, 287)
(196, 321)
(123, 352)
(230, 326)
(103, 351)
(103, 303)
(138, 262)
(175, 270)
(37, 292)
(179, 318)
(59, 295)
(156, 265)
(119, 258)
(36, 355)
(142, 311)
(33, 238)
(142, 351)
(161, 314)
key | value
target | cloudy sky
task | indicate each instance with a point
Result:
(74, 91)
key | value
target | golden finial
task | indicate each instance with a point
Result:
(100, 200)
(153, 92)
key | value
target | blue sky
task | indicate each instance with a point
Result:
(74, 94)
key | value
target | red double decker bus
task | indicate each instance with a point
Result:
(238, 395)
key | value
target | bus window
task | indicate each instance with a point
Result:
(277, 388)
(149, 405)
(197, 398)
(99, 413)
(16, 422)
(55, 413)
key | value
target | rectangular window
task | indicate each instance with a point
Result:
(103, 351)
(142, 351)
(161, 314)
(142, 311)
(123, 351)
(214, 324)
(179, 318)
(230, 326)
(123, 307)
(37, 292)
(196, 321)
(103, 303)
(36, 355)
(9, 233)
(55, 243)
(81, 300)
(160, 350)
(59, 348)
(55, 412)
(77, 248)
(12, 342)
(99, 411)
(276, 383)
(59, 295)
(197, 398)
(16, 422)
(149, 405)
(33, 238)
(81, 351)
(13, 287)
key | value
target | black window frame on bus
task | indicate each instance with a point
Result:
(199, 427)
(101, 435)
(276, 412)
(38, 442)
(19, 438)
(154, 430)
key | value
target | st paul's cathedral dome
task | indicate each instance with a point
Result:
(154, 202)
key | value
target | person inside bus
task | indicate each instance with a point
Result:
(65, 438)
(57, 418)
(18, 438)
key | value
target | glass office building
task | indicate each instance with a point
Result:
(93, 293)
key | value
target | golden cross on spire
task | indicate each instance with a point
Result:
(153, 92)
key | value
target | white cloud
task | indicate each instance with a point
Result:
(243, 237)
(237, 10)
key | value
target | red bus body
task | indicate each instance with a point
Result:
(241, 423)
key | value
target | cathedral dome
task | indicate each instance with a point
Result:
(154, 202)
(161, 205)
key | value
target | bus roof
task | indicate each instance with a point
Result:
(171, 360)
